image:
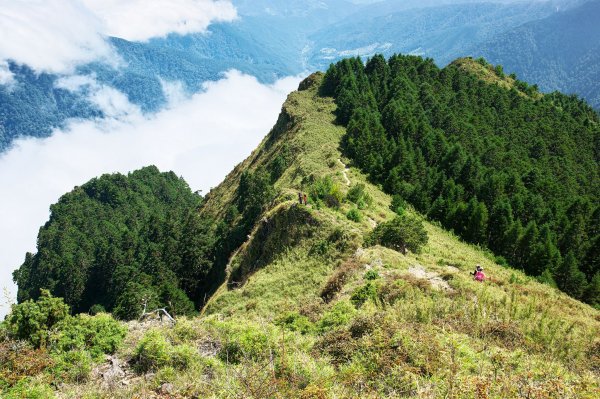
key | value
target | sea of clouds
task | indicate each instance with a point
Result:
(200, 136)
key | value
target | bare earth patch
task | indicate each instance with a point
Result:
(437, 283)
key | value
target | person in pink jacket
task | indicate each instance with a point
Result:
(478, 273)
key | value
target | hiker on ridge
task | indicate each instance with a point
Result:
(478, 274)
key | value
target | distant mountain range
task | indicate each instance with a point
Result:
(274, 38)
(560, 52)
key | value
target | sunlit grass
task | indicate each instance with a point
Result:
(273, 336)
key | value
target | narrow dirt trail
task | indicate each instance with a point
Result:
(345, 172)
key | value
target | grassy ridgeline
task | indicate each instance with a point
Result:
(323, 316)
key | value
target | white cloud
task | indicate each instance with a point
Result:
(6, 76)
(200, 138)
(113, 103)
(140, 20)
(50, 35)
(56, 35)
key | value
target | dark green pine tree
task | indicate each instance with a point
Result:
(501, 220)
(569, 278)
(378, 72)
(545, 255)
(592, 293)
(476, 222)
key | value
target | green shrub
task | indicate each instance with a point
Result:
(371, 275)
(364, 293)
(183, 356)
(73, 366)
(358, 195)
(130, 303)
(185, 331)
(546, 278)
(398, 205)
(32, 321)
(165, 375)
(325, 190)
(501, 261)
(339, 315)
(100, 334)
(354, 215)
(294, 321)
(28, 389)
(401, 234)
(249, 344)
(152, 352)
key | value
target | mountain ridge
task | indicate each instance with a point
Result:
(310, 307)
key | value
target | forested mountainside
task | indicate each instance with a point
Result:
(35, 104)
(488, 156)
(560, 52)
(119, 243)
(274, 38)
(353, 295)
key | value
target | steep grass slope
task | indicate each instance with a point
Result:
(308, 311)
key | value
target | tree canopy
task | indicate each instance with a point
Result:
(120, 242)
(488, 156)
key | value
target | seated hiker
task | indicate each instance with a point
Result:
(478, 273)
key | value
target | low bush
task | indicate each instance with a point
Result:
(152, 352)
(19, 361)
(32, 321)
(365, 293)
(339, 315)
(73, 366)
(294, 321)
(183, 356)
(354, 215)
(359, 196)
(325, 190)
(338, 344)
(29, 389)
(100, 334)
(371, 275)
(165, 375)
(402, 233)
(247, 344)
(362, 325)
(185, 331)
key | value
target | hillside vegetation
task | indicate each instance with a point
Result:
(486, 155)
(119, 242)
(316, 303)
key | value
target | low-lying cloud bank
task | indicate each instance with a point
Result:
(199, 137)
(57, 35)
